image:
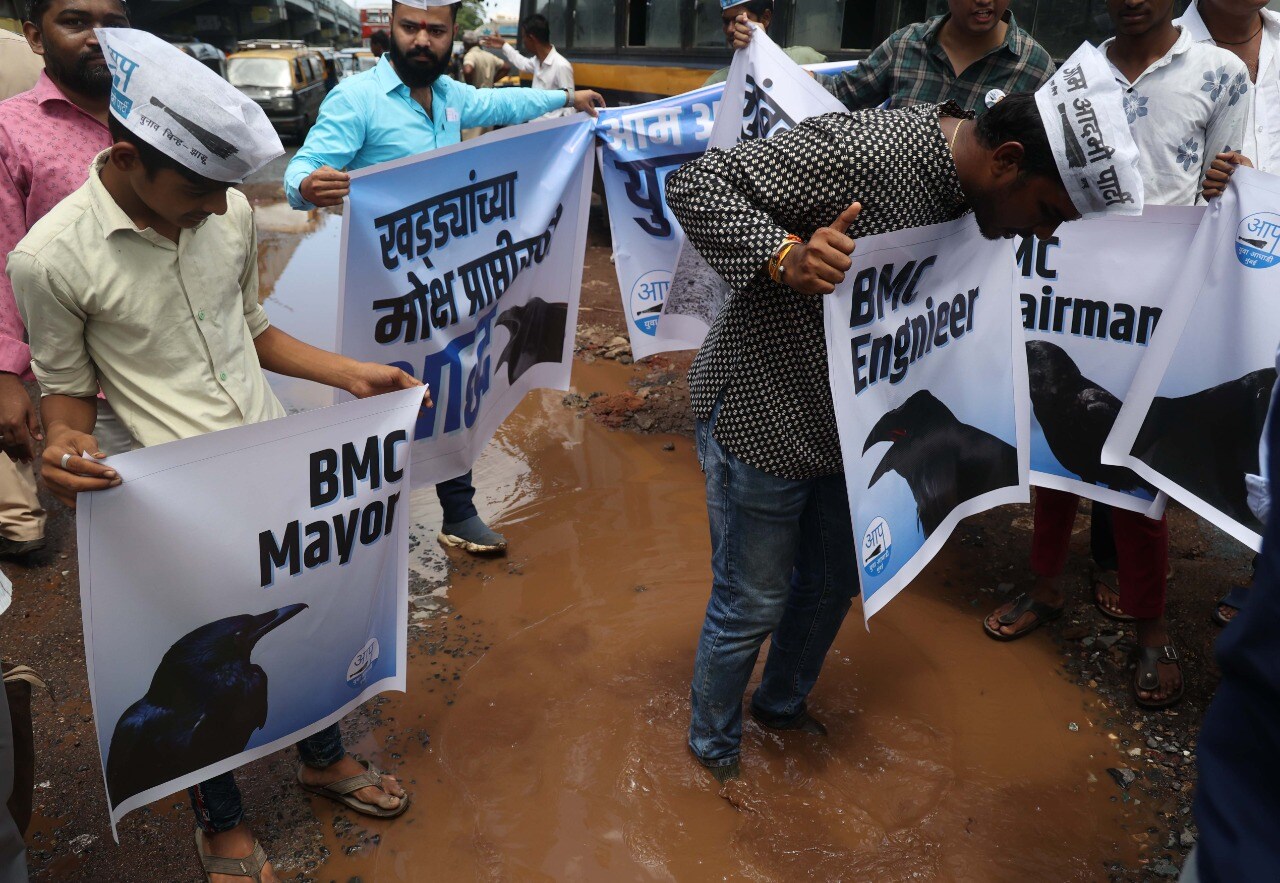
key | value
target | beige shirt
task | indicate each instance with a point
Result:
(166, 330)
(485, 66)
(19, 66)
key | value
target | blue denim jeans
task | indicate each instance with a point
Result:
(216, 801)
(783, 566)
(455, 497)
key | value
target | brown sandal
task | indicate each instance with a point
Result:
(250, 866)
(343, 791)
(1022, 604)
(1147, 677)
(1111, 583)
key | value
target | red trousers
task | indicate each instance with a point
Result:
(1142, 549)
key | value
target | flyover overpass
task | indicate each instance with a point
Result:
(222, 22)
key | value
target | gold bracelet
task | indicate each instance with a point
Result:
(789, 242)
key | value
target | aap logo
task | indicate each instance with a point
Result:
(647, 296)
(1258, 240)
(362, 664)
(877, 543)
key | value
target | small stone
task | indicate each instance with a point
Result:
(618, 342)
(1152, 743)
(1164, 868)
(1123, 775)
(625, 359)
(1109, 641)
(1187, 838)
(669, 446)
(1073, 727)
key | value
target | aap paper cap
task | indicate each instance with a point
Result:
(427, 4)
(183, 109)
(1082, 109)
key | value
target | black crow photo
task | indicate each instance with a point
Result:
(205, 701)
(1076, 415)
(1208, 441)
(537, 335)
(944, 461)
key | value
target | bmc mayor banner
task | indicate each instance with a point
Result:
(1193, 419)
(926, 358)
(639, 146)
(216, 634)
(463, 267)
(1091, 311)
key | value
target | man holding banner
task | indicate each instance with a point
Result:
(778, 219)
(144, 282)
(404, 106)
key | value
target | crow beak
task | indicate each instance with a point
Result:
(882, 432)
(885, 466)
(265, 622)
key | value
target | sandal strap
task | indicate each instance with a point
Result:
(1148, 658)
(371, 777)
(249, 866)
(1024, 603)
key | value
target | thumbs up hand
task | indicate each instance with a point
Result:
(819, 265)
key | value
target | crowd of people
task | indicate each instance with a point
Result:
(106, 228)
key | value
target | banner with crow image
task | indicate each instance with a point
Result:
(1091, 311)
(463, 267)
(1193, 420)
(927, 366)
(670, 295)
(241, 590)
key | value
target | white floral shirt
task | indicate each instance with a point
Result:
(1183, 110)
(1262, 137)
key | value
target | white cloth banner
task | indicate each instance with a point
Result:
(1092, 297)
(928, 374)
(463, 267)
(641, 145)
(1193, 419)
(217, 633)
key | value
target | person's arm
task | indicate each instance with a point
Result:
(18, 423)
(507, 107)
(526, 63)
(283, 354)
(730, 207)
(67, 378)
(334, 140)
(1230, 117)
(869, 84)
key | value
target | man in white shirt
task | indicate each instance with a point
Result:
(1251, 32)
(550, 69)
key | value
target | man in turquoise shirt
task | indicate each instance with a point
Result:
(405, 106)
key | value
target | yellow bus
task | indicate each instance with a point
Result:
(639, 50)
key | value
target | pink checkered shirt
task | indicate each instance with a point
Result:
(46, 147)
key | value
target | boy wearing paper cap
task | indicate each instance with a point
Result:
(402, 107)
(144, 281)
(736, 13)
(783, 551)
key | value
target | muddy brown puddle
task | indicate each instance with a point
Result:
(543, 732)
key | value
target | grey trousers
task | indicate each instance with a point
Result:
(13, 852)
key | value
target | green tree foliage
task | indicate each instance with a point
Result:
(472, 15)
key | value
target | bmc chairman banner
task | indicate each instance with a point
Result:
(926, 357)
(641, 145)
(1193, 419)
(463, 267)
(217, 633)
(1091, 312)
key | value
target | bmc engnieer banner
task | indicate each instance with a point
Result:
(1091, 312)
(463, 268)
(641, 145)
(926, 359)
(1193, 419)
(217, 633)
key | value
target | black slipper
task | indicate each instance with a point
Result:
(1024, 603)
(1147, 677)
(1235, 599)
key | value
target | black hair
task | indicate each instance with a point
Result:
(536, 26)
(380, 38)
(1017, 118)
(154, 159)
(453, 10)
(37, 8)
(757, 7)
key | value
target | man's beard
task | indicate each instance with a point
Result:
(78, 76)
(420, 68)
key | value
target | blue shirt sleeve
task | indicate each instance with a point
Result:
(505, 107)
(333, 141)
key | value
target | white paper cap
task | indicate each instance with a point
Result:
(183, 109)
(427, 4)
(1082, 108)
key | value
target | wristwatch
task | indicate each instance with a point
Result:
(568, 98)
